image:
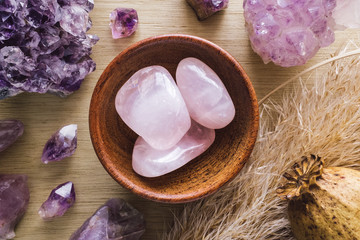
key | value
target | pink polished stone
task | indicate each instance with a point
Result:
(150, 103)
(205, 95)
(150, 162)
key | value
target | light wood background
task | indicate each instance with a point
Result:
(44, 114)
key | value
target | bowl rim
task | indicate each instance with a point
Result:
(157, 196)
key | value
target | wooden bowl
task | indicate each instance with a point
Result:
(113, 141)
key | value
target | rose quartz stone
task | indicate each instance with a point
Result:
(151, 105)
(150, 162)
(206, 97)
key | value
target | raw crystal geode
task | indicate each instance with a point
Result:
(116, 219)
(62, 144)
(14, 199)
(206, 8)
(289, 32)
(123, 22)
(44, 46)
(59, 201)
(10, 131)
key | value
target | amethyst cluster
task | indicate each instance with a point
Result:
(44, 46)
(289, 32)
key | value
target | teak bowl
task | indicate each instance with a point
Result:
(113, 141)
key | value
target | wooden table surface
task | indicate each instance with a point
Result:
(44, 114)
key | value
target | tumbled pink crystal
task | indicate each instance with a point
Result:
(61, 145)
(115, 220)
(10, 131)
(206, 97)
(289, 32)
(123, 22)
(59, 201)
(150, 103)
(206, 8)
(150, 162)
(14, 199)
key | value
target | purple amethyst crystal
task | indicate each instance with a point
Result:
(61, 145)
(44, 46)
(60, 200)
(289, 32)
(206, 8)
(346, 14)
(116, 219)
(123, 22)
(10, 131)
(14, 199)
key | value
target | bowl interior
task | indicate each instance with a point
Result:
(113, 141)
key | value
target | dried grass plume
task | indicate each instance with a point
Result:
(322, 118)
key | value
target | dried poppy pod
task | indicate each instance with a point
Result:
(324, 203)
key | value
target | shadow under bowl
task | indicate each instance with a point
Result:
(113, 140)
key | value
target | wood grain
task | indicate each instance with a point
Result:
(44, 114)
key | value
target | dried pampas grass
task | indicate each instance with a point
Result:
(323, 119)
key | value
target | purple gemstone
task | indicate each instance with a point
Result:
(38, 40)
(206, 8)
(61, 145)
(123, 22)
(288, 32)
(75, 20)
(10, 131)
(88, 5)
(116, 219)
(14, 199)
(60, 200)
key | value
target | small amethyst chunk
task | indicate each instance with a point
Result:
(60, 200)
(14, 199)
(287, 32)
(123, 22)
(61, 145)
(116, 219)
(206, 8)
(10, 131)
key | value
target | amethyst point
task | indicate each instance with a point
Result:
(59, 201)
(10, 131)
(61, 145)
(116, 219)
(14, 199)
